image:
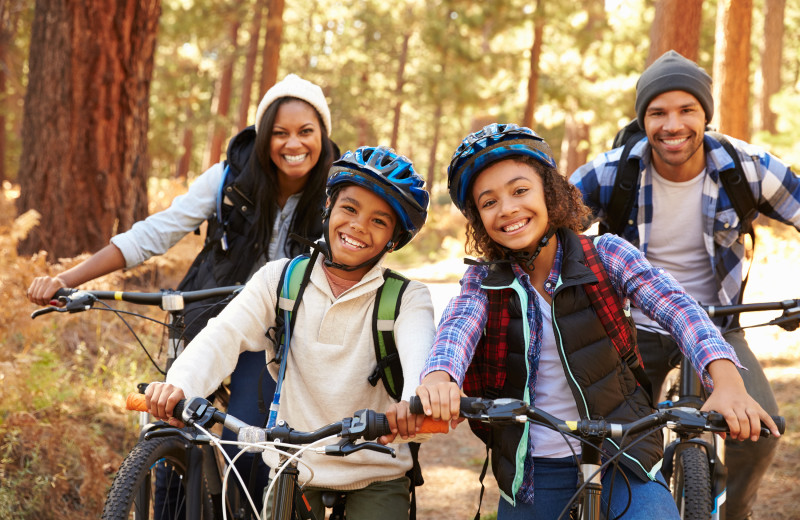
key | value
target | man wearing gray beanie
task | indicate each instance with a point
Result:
(681, 216)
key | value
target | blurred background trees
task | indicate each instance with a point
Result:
(416, 75)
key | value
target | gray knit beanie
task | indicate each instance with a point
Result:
(673, 72)
(296, 87)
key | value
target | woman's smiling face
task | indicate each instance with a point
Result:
(510, 199)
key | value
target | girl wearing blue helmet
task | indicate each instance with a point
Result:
(376, 203)
(535, 319)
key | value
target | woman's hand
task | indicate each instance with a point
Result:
(730, 398)
(161, 399)
(440, 397)
(43, 288)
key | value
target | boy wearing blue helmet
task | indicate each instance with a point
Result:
(531, 323)
(376, 204)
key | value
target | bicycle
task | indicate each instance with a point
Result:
(285, 490)
(173, 466)
(592, 433)
(695, 465)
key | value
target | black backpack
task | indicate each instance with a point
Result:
(625, 186)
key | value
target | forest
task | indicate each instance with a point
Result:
(110, 108)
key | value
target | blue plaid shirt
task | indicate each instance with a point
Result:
(775, 187)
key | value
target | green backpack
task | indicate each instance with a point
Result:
(387, 307)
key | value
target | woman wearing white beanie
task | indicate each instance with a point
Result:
(271, 184)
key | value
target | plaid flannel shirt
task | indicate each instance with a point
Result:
(632, 276)
(775, 187)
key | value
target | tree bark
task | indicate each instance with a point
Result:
(676, 26)
(185, 162)
(731, 68)
(250, 65)
(533, 78)
(272, 44)
(771, 59)
(220, 126)
(574, 152)
(84, 133)
(399, 82)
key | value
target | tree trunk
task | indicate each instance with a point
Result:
(533, 79)
(676, 26)
(731, 68)
(272, 44)
(250, 65)
(185, 162)
(771, 59)
(84, 133)
(399, 82)
(574, 152)
(3, 97)
(437, 128)
(220, 126)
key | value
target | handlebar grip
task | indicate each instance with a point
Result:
(64, 291)
(415, 405)
(433, 426)
(135, 402)
(780, 422)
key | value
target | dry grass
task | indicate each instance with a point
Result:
(62, 380)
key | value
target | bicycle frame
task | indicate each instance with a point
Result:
(690, 392)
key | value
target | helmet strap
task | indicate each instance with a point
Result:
(527, 259)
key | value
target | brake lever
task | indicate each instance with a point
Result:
(346, 447)
(189, 436)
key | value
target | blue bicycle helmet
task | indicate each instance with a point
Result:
(489, 145)
(392, 178)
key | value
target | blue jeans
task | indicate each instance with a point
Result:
(556, 481)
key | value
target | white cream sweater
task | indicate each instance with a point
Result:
(330, 358)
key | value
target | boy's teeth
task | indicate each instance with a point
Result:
(352, 242)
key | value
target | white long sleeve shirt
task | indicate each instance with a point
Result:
(330, 358)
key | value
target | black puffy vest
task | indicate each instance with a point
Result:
(601, 383)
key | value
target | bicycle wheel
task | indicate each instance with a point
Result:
(151, 484)
(691, 484)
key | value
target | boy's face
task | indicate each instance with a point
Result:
(360, 226)
(510, 199)
(675, 124)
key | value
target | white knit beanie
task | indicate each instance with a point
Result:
(296, 87)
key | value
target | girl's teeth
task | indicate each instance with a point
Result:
(514, 227)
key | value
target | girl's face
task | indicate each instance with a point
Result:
(360, 226)
(510, 199)
(296, 140)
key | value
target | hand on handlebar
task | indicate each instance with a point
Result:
(440, 397)
(43, 289)
(161, 399)
(402, 422)
(730, 399)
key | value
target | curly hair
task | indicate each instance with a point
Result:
(564, 202)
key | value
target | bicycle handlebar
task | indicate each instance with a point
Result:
(76, 300)
(682, 420)
(727, 310)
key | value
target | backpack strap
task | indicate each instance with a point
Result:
(385, 312)
(623, 193)
(613, 314)
(735, 184)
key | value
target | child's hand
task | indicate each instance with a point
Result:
(729, 398)
(161, 399)
(440, 397)
(401, 421)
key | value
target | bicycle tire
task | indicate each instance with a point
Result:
(132, 494)
(691, 483)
